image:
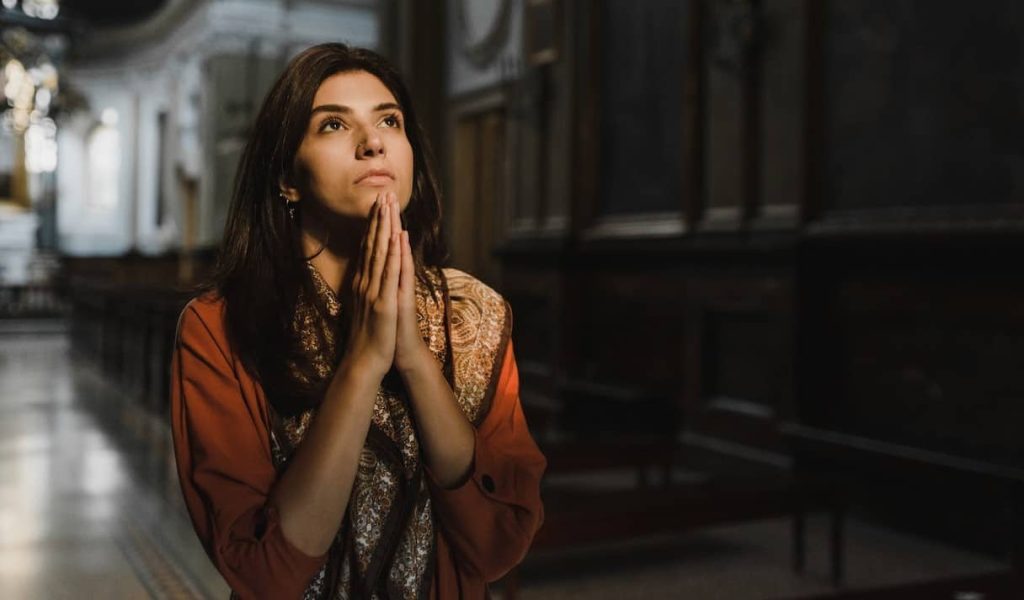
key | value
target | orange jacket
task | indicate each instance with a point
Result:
(221, 431)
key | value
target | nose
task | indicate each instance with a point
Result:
(371, 146)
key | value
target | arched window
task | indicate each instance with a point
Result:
(103, 149)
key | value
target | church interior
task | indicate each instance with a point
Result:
(764, 259)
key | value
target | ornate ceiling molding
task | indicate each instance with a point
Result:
(185, 29)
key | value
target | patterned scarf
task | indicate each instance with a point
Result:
(385, 545)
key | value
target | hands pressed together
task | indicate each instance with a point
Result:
(384, 330)
(384, 334)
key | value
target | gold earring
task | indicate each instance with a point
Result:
(289, 204)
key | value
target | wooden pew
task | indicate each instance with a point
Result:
(590, 432)
(838, 466)
(577, 515)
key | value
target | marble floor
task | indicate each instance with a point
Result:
(89, 508)
(88, 504)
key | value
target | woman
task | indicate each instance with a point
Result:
(345, 413)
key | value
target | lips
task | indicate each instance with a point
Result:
(376, 176)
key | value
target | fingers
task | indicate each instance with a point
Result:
(408, 280)
(371, 234)
(394, 267)
(380, 249)
(389, 287)
(405, 280)
(396, 223)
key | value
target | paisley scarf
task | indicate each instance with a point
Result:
(386, 543)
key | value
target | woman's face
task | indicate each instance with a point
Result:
(355, 146)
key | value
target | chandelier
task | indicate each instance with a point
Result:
(29, 77)
(31, 45)
(36, 9)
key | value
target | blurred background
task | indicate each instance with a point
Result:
(764, 256)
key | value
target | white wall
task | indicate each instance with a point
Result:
(141, 75)
(82, 226)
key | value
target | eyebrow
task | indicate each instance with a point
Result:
(346, 110)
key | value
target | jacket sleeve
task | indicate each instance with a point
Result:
(491, 517)
(221, 445)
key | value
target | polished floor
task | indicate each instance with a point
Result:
(89, 508)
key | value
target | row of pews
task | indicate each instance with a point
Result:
(123, 315)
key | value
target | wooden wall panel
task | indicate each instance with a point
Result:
(632, 333)
(642, 105)
(727, 32)
(932, 364)
(923, 107)
(536, 329)
(782, 88)
(746, 379)
(461, 210)
(477, 206)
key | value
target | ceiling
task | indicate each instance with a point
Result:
(100, 13)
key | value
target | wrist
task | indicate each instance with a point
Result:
(359, 366)
(420, 361)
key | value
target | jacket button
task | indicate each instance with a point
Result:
(488, 483)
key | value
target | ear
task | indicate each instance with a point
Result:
(289, 192)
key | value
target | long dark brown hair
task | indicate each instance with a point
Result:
(261, 268)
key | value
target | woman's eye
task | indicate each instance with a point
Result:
(330, 124)
(392, 121)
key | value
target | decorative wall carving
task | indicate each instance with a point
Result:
(483, 28)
